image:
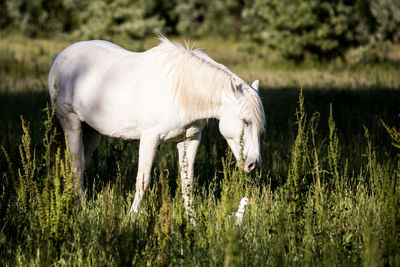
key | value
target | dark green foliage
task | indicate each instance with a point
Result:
(325, 29)
(36, 17)
(384, 17)
(122, 19)
(200, 18)
(296, 29)
(297, 166)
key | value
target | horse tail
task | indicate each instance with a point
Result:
(59, 137)
(55, 57)
(51, 82)
(57, 125)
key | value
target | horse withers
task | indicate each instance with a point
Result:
(163, 94)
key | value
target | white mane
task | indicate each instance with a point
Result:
(199, 81)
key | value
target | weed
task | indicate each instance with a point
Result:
(327, 192)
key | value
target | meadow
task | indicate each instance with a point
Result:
(327, 193)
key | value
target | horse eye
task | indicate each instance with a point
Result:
(246, 122)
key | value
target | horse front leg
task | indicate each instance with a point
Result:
(147, 150)
(187, 152)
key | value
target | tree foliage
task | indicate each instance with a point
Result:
(297, 29)
(325, 28)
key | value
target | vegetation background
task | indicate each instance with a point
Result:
(328, 189)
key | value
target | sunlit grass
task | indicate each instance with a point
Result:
(325, 214)
(25, 64)
(326, 194)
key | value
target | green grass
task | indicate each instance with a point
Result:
(327, 192)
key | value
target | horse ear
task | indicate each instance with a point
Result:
(256, 85)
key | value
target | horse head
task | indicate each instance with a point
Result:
(242, 122)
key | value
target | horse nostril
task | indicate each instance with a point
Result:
(251, 166)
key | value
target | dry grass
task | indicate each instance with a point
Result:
(253, 62)
(32, 60)
(321, 79)
(394, 52)
(25, 63)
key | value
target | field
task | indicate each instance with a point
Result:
(327, 192)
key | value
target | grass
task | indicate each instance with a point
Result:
(327, 192)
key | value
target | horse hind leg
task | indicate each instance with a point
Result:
(72, 127)
(91, 139)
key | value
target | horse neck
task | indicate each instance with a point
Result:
(212, 112)
(203, 90)
(202, 114)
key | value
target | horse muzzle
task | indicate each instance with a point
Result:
(251, 165)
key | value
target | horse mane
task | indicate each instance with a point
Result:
(198, 82)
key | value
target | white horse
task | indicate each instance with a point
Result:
(164, 94)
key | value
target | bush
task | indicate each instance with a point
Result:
(323, 29)
(298, 29)
(117, 19)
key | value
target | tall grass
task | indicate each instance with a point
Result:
(325, 214)
(326, 194)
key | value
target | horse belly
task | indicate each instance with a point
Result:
(122, 111)
(182, 133)
(108, 115)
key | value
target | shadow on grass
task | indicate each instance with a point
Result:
(352, 110)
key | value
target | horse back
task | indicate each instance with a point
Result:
(78, 61)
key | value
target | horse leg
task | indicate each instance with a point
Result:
(91, 139)
(147, 150)
(72, 127)
(187, 152)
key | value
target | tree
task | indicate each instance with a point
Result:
(122, 19)
(321, 28)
